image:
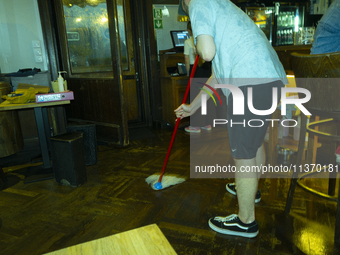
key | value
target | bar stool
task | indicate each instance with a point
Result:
(325, 91)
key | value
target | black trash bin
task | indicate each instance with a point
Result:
(68, 159)
(90, 140)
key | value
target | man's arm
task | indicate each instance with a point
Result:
(196, 103)
(206, 47)
(185, 110)
(187, 64)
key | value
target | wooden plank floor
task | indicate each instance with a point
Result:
(146, 240)
(44, 216)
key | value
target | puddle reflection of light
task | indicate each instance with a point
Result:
(312, 241)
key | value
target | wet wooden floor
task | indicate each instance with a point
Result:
(44, 216)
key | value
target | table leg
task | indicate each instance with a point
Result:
(41, 172)
(43, 128)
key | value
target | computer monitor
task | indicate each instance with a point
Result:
(181, 69)
(178, 37)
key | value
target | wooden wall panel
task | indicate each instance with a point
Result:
(97, 101)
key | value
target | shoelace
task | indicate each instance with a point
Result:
(227, 218)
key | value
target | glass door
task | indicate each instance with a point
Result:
(288, 20)
(90, 53)
(286, 25)
(88, 37)
(89, 46)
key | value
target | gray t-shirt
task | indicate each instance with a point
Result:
(244, 55)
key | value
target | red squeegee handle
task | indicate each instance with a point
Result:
(178, 119)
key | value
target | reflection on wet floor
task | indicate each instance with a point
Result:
(44, 216)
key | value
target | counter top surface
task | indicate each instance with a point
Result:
(293, 47)
(178, 77)
(6, 106)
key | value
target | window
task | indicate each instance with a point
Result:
(21, 39)
(88, 36)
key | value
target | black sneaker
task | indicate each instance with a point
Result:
(231, 188)
(232, 225)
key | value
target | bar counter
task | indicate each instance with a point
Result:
(284, 52)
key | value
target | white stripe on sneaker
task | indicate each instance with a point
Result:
(234, 233)
(235, 224)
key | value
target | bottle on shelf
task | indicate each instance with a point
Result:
(283, 19)
(287, 19)
(279, 21)
(296, 19)
(290, 37)
(279, 41)
(284, 37)
(291, 19)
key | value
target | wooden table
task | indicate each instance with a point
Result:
(43, 126)
(141, 241)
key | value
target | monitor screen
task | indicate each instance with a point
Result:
(181, 69)
(178, 37)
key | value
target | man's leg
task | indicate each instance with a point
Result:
(243, 223)
(260, 159)
(247, 185)
(247, 149)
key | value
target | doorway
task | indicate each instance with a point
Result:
(129, 42)
(101, 51)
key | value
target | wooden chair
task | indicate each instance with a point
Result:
(324, 102)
